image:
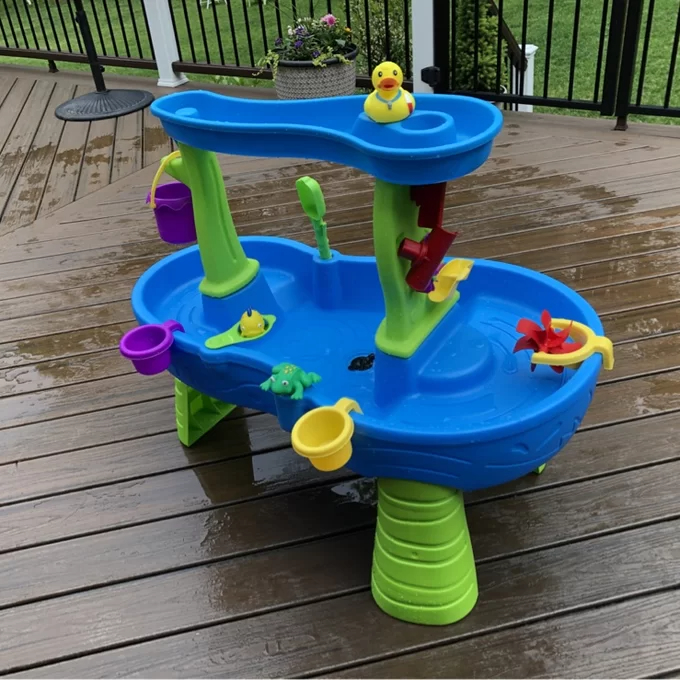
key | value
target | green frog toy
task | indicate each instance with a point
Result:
(289, 380)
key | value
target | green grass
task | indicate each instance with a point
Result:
(215, 42)
(658, 60)
(210, 38)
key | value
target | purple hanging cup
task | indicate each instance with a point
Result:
(148, 346)
(174, 212)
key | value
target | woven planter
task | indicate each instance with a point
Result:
(303, 80)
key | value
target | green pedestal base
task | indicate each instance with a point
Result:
(423, 566)
(196, 413)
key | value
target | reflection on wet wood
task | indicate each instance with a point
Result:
(30, 408)
(95, 171)
(71, 298)
(89, 276)
(579, 645)
(62, 345)
(62, 181)
(288, 643)
(19, 142)
(294, 581)
(156, 143)
(24, 200)
(107, 518)
(127, 146)
(658, 319)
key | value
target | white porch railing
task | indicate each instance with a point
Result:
(164, 42)
(422, 32)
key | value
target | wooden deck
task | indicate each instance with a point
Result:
(45, 164)
(125, 555)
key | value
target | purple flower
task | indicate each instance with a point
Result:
(329, 20)
(298, 44)
(301, 30)
(316, 54)
(278, 41)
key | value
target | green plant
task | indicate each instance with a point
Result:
(312, 40)
(375, 39)
(478, 34)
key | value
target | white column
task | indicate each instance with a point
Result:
(422, 39)
(530, 53)
(164, 42)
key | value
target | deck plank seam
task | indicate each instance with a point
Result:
(56, 149)
(481, 201)
(322, 482)
(129, 371)
(3, 209)
(174, 515)
(576, 263)
(349, 591)
(491, 630)
(614, 285)
(178, 631)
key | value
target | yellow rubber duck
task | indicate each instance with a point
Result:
(390, 102)
(252, 324)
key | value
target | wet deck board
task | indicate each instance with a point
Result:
(237, 559)
(46, 164)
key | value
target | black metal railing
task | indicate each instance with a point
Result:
(615, 57)
(218, 37)
(649, 74)
(565, 76)
(46, 29)
(230, 37)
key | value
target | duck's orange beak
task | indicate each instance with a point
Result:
(388, 83)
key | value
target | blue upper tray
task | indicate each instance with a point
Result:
(445, 138)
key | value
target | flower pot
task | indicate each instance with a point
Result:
(304, 80)
(148, 346)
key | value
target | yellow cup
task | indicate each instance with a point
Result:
(591, 343)
(324, 435)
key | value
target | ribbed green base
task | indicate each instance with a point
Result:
(196, 413)
(423, 566)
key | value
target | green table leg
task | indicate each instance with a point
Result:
(196, 413)
(423, 566)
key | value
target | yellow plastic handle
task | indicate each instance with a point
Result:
(159, 173)
(586, 336)
(347, 405)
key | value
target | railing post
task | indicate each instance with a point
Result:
(611, 90)
(529, 74)
(422, 39)
(629, 59)
(441, 32)
(164, 42)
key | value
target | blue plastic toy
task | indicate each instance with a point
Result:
(402, 366)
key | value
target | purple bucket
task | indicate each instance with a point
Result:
(174, 212)
(148, 346)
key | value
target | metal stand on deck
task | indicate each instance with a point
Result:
(103, 103)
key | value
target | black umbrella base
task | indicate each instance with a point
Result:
(103, 105)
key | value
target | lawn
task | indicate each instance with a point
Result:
(236, 32)
(665, 13)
